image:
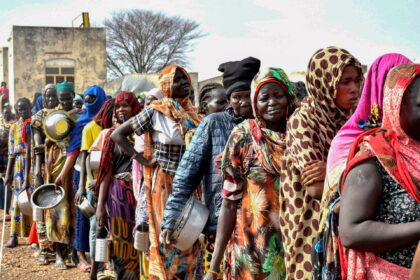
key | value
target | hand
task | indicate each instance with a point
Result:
(8, 181)
(165, 237)
(146, 162)
(313, 172)
(92, 185)
(210, 276)
(79, 196)
(59, 181)
(101, 216)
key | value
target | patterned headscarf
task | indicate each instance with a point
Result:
(179, 110)
(268, 144)
(131, 99)
(319, 118)
(368, 114)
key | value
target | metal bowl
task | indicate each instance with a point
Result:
(190, 224)
(58, 125)
(86, 208)
(46, 196)
(24, 202)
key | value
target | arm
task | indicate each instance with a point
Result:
(89, 172)
(120, 137)
(359, 202)
(27, 183)
(11, 160)
(39, 156)
(189, 174)
(82, 182)
(225, 226)
(101, 217)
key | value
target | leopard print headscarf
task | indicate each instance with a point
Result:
(316, 122)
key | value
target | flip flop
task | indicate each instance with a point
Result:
(12, 243)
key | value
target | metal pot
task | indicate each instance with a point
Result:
(24, 202)
(141, 238)
(103, 250)
(94, 160)
(58, 125)
(190, 224)
(86, 208)
(47, 196)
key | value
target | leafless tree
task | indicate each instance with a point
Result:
(141, 41)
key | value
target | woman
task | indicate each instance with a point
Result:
(213, 99)
(152, 95)
(94, 97)
(17, 172)
(333, 79)
(251, 173)
(209, 141)
(116, 198)
(165, 124)
(367, 115)
(380, 201)
(50, 102)
(59, 220)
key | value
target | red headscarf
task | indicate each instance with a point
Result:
(105, 166)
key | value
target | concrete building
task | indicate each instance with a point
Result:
(41, 55)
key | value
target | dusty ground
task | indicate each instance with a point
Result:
(19, 263)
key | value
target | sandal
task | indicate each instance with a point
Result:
(43, 259)
(59, 264)
(12, 243)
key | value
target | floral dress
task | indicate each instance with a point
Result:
(255, 250)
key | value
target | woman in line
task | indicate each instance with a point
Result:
(209, 141)
(116, 203)
(17, 172)
(380, 200)
(367, 115)
(50, 102)
(59, 220)
(333, 79)
(251, 178)
(94, 97)
(213, 99)
(103, 121)
(165, 124)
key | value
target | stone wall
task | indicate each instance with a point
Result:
(32, 48)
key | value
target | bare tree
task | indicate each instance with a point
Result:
(140, 41)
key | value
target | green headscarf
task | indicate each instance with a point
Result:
(65, 86)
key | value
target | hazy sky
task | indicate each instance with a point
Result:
(280, 33)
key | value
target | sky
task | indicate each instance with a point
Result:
(280, 33)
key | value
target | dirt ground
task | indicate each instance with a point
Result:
(19, 263)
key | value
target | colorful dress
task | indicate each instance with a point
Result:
(165, 124)
(20, 224)
(310, 131)
(255, 249)
(251, 167)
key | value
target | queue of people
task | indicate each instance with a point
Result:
(300, 182)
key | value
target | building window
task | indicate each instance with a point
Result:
(55, 75)
(59, 70)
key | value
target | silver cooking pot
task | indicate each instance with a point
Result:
(190, 224)
(47, 196)
(86, 208)
(24, 202)
(58, 125)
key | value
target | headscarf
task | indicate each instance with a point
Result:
(91, 110)
(38, 104)
(179, 110)
(65, 86)
(368, 114)
(155, 92)
(268, 144)
(105, 165)
(397, 153)
(105, 115)
(319, 117)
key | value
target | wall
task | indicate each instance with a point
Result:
(4, 64)
(32, 47)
